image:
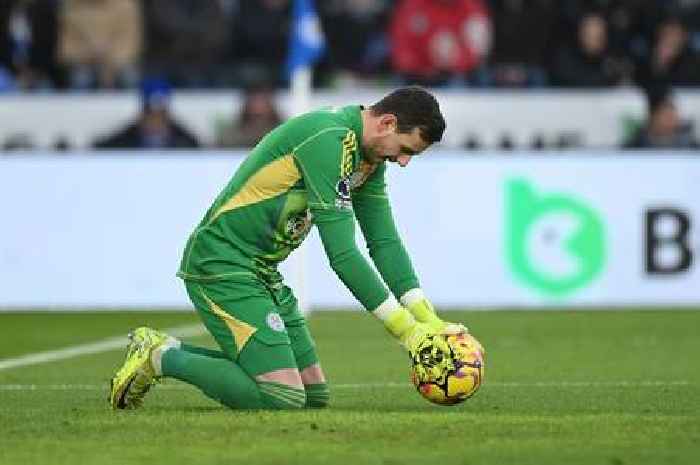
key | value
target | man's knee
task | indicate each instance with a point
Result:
(317, 392)
(313, 374)
(317, 395)
(282, 389)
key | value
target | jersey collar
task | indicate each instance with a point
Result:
(355, 117)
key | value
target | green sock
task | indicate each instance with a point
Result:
(202, 351)
(226, 382)
(317, 395)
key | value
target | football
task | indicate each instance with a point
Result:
(448, 370)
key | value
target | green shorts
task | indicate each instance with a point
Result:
(257, 326)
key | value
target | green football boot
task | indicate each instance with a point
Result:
(134, 379)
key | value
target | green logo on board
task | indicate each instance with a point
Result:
(555, 243)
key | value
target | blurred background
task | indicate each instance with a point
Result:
(568, 174)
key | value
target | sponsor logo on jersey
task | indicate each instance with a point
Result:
(275, 322)
(298, 226)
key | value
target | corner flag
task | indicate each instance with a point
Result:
(306, 44)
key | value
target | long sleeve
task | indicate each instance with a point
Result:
(338, 236)
(373, 212)
(325, 162)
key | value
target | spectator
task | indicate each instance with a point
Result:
(155, 128)
(101, 43)
(589, 63)
(674, 59)
(438, 41)
(7, 80)
(629, 22)
(28, 34)
(355, 32)
(261, 33)
(522, 30)
(19, 142)
(664, 128)
(187, 41)
(689, 10)
(258, 116)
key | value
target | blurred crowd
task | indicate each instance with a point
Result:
(156, 128)
(107, 44)
(156, 45)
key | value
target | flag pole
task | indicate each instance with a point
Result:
(305, 48)
(301, 90)
(301, 103)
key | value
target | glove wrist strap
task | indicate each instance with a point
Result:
(397, 320)
(412, 296)
(400, 323)
(420, 307)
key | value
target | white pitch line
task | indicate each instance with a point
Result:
(92, 348)
(196, 330)
(178, 387)
(537, 384)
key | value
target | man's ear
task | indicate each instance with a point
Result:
(387, 124)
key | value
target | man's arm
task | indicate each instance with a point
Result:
(321, 160)
(338, 237)
(373, 212)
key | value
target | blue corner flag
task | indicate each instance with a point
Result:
(306, 41)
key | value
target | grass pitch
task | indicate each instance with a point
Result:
(607, 388)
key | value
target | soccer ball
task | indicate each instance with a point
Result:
(448, 370)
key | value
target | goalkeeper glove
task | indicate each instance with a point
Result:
(424, 312)
(404, 327)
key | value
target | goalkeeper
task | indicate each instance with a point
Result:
(325, 168)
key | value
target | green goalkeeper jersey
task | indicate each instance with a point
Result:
(310, 170)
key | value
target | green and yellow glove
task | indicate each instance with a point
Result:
(424, 312)
(404, 327)
(415, 321)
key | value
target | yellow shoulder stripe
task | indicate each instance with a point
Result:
(271, 180)
(349, 147)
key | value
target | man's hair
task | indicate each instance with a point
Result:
(414, 107)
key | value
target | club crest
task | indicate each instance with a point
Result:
(298, 226)
(275, 322)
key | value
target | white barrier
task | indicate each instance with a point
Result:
(486, 231)
(594, 118)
